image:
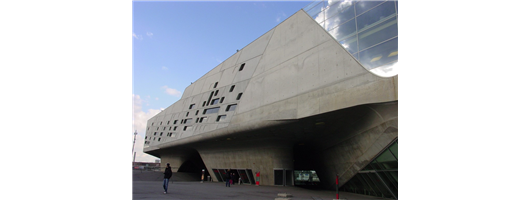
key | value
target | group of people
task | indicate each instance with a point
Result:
(168, 173)
(228, 178)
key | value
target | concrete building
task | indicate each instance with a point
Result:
(314, 98)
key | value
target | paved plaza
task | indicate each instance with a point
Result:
(185, 189)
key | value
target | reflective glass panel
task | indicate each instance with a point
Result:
(332, 10)
(311, 5)
(345, 30)
(379, 55)
(350, 44)
(376, 15)
(363, 6)
(251, 176)
(231, 107)
(316, 9)
(394, 149)
(378, 33)
(211, 110)
(380, 185)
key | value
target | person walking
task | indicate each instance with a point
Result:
(167, 174)
(228, 178)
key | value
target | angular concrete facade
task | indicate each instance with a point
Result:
(292, 99)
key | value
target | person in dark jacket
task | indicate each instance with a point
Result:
(228, 178)
(167, 174)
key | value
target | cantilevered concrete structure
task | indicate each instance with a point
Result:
(293, 100)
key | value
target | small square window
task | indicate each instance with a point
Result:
(192, 106)
(197, 120)
(222, 99)
(231, 107)
(164, 128)
(242, 66)
(239, 96)
(232, 88)
(203, 104)
(215, 85)
(215, 101)
(159, 139)
(175, 128)
(154, 133)
(161, 133)
(220, 118)
(197, 112)
(160, 123)
(157, 128)
(203, 119)
(167, 122)
(175, 122)
(216, 92)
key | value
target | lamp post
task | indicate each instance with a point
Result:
(135, 133)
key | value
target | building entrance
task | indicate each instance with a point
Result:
(245, 174)
(283, 177)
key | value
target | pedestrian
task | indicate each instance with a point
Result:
(228, 179)
(232, 179)
(167, 174)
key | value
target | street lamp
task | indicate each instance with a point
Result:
(134, 140)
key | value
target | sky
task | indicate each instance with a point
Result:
(177, 42)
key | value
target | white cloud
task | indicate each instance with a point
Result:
(140, 124)
(138, 37)
(149, 34)
(171, 91)
(164, 68)
(279, 16)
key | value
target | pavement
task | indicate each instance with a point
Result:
(180, 189)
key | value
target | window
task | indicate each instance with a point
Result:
(216, 92)
(215, 85)
(164, 128)
(203, 119)
(215, 101)
(231, 107)
(175, 128)
(210, 111)
(161, 133)
(222, 99)
(239, 96)
(220, 118)
(196, 113)
(175, 122)
(192, 106)
(152, 123)
(145, 137)
(160, 123)
(242, 66)
(187, 114)
(167, 122)
(187, 128)
(188, 120)
(232, 88)
(159, 139)
(157, 128)
(197, 120)
(147, 128)
(203, 104)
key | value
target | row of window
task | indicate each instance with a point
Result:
(186, 128)
(207, 111)
(231, 107)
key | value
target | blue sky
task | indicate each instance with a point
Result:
(175, 43)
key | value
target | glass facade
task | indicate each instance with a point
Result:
(379, 178)
(366, 29)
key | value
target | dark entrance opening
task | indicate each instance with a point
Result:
(194, 167)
